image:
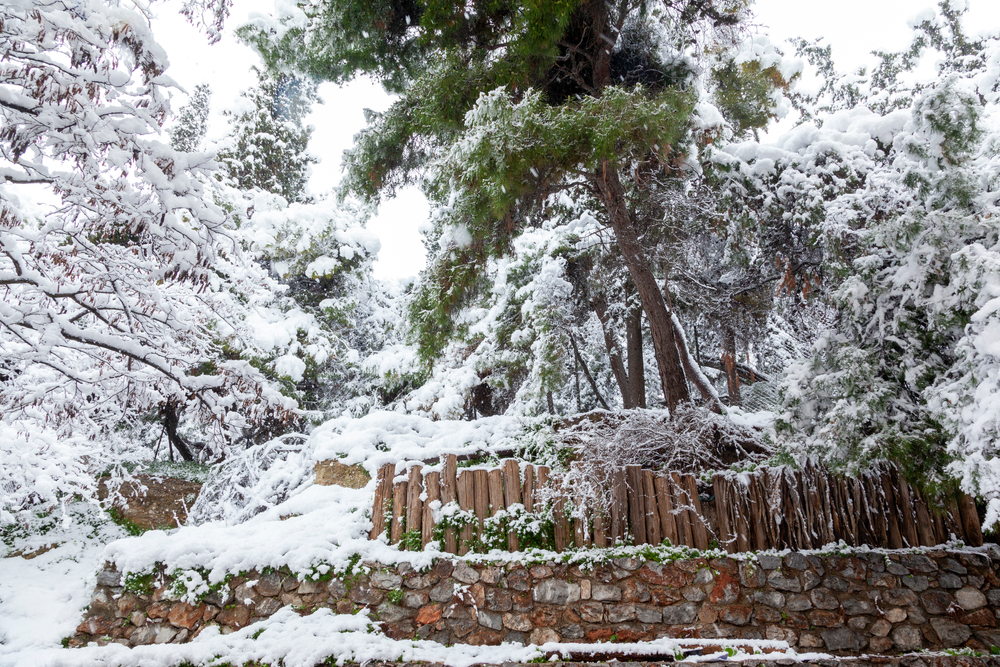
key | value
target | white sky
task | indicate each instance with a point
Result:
(853, 27)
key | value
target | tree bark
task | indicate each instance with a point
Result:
(633, 348)
(586, 373)
(668, 360)
(729, 362)
(170, 423)
(614, 353)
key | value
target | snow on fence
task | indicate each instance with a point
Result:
(771, 508)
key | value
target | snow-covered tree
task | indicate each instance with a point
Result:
(267, 147)
(192, 122)
(911, 371)
(130, 295)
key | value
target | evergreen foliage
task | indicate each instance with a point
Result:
(192, 122)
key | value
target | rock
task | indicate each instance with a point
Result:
(219, 597)
(430, 614)
(630, 564)
(336, 588)
(970, 598)
(825, 619)
(768, 562)
(335, 473)
(109, 578)
(895, 615)
(573, 631)
(488, 620)
(842, 639)
(267, 607)
(916, 583)
(420, 580)
(490, 575)
(981, 618)
(97, 625)
(993, 595)
(541, 571)
(822, 599)
(165, 634)
(881, 627)
(796, 561)
(810, 580)
(556, 591)
(784, 582)
(184, 615)
(953, 565)
(679, 614)
(310, 587)
(810, 641)
(541, 636)
(752, 575)
(137, 618)
(366, 594)
(646, 614)
(737, 614)
(664, 575)
(387, 581)
(236, 616)
(593, 612)
(883, 580)
(443, 592)
(519, 623)
(880, 645)
(893, 567)
(269, 585)
(936, 602)
(772, 599)
(519, 579)
(907, 638)
(900, 597)
(511, 638)
(618, 613)
(857, 606)
(918, 563)
(950, 633)
(415, 599)
(143, 636)
(704, 576)
(725, 591)
(159, 610)
(695, 594)
(392, 613)
(763, 615)
(605, 593)
(465, 574)
(835, 583)
(163, 504)
(484, 637)
(948, 580)
(799, 603)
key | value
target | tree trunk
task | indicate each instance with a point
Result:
(693, 371)
(729, 362)
(668, 361)
(614, 353)
(170, 422)
(633, 348)
(586, 373)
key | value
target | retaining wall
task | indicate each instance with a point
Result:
(879, 602)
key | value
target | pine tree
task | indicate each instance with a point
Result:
(268, 143)
(192, 122)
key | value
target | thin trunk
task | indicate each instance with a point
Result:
(548, 399)
(729, 362)
(665, 350)
(170, 423)
(693, 372)
(614, 352)
(636, 367)
(586, 373)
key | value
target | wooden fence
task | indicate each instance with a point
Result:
(771, 508)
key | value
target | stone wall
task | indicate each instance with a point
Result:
(877, 602)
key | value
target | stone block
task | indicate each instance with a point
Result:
(431, 613)
(949, 580)
(619, 613)
(881, 628)
(517, 622)
(392, 613)
(269, 585)
(856, 606)
(236, 616)
(823, 599)
(387, 581)
(784, 582)
(465, 574)
(335, 473)
(572, 631)
(737, 614)
(647, 614)
(541, 636)
(799, 603)
(693, 594)
(519, 579)
(907, 638)
(443, 592)
(936, 601)
(415, 599)
(843, 639)
(490, 620)
(680, 614)
(592, 612)
(950, 633)
(970, 598)
(900, 597)
(267, 607)
(825, 619)
(916, 583)
(556, 591)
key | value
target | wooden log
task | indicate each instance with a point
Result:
(528, 488)
(682, 516)
(541, 480)
(726, 538)
(466, 501)
(432, 483)
(969, 516)
(512, 495)
(636, 506)
(580, 534)
(653, 524)
(398, 511)
(619, 505)
(698, 517)
(481, 497)
(560, 523)
(414, 505)
(600, 529)
(892, 514)
(757, 499)
(925, 527)
(908, 510)
(449, 494)
(383, 497)
(495, 485)
(665, 509)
